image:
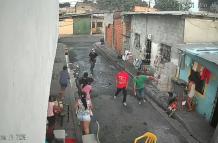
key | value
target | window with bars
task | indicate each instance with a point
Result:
(165, 52)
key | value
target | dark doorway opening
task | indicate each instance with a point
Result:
(214, 120)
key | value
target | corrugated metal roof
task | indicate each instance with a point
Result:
(175, 13)
(206, 51)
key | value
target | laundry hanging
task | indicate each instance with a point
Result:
(206, 74)
(194, 67)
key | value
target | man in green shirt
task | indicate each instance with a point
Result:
(139, 85)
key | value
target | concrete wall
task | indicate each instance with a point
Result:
(164, 29)
(66, 27)
(205, 103)
(200, 30)
(108, 19)
(28, 44)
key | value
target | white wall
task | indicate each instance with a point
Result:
(200, 30)
(163, 28)
(27, 50)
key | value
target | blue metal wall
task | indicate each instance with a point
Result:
(205, 103)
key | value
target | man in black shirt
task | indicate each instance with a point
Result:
(83, 81)
(92, 59)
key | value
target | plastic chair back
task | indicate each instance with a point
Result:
(148, 137)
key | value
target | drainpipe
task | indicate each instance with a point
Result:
(91, 24)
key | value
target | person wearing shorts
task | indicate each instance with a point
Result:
(84, 112)
(191, 94)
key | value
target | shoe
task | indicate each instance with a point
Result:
(115, 97)
(124, 103)
(140, 102)
(144, 100)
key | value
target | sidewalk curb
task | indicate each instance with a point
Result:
(73, 91)
(150, 93)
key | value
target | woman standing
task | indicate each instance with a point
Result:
(87, 89)
(191, 94)
(83, 109)
(63, 80)
(50, 112)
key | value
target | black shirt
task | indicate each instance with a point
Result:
(93, 56)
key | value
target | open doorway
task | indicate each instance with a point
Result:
(214, 120)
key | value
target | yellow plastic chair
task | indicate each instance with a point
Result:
(149, 138)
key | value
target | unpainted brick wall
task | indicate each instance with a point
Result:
(118, 35)
(109, 35)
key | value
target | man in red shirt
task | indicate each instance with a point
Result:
(122, 83)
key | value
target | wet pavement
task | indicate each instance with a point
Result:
(69, 123)
(194, 126)
(119, 124)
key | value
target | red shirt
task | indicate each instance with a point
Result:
(122, 79)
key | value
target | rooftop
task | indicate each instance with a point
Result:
(176, 13)
(206, 51)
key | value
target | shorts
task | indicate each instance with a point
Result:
(83, 117)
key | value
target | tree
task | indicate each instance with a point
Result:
(172, 5)
(121, 5)
(66, 4)
(207, 4)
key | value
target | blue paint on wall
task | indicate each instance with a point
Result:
(184, 73)
(205, 103)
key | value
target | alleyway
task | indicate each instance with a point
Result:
(118, 124)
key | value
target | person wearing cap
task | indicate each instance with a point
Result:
(92, 59)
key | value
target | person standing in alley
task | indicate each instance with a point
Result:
(122, 79)
(87, 89)
(83, 81)
(83, 108)
(139, 85)
(63, 80)
(50, 112)
(92, 59)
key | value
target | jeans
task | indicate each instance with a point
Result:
(140, 93)
(124, 93)
(92, 65)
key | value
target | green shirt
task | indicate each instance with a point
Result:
(139, 81)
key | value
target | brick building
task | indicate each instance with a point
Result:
(117, 32)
